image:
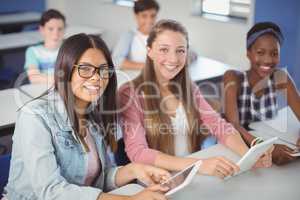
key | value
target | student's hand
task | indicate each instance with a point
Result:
(281, 154)
(265, 160)
(218, 166)
(154, 192)
(148, 174)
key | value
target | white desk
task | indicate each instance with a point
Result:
(128, 190)
(25, 39)
(205, 68)
(19, 18)
(275, 183)
(12, 99)
(19, 40)
(285, 126)
(124, 76)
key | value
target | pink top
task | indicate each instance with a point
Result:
(132, 121)
(94, 166)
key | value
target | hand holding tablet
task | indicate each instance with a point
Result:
(296, 154)
(253, 154)
(182, 178)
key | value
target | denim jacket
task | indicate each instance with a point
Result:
(48, 161)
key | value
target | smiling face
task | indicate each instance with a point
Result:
(169, 54)
(87, 90)
(145, 20)
(264, 55)
(53, 32)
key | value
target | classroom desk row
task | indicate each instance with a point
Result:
(27, 38)
(18, 20)
(275, 183)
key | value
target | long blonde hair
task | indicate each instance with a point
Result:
(163, 139)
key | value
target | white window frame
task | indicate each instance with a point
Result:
(128, 3)
(238, 9)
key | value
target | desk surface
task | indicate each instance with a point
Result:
(205, 68)
(285, 126)
(19, 18)
(130, 189)
(12, 99)
(28, 38)
(275, 183)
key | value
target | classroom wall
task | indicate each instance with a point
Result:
(218, 40)
(297, 65)
(287, 15)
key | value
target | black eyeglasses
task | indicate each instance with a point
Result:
(86, 70)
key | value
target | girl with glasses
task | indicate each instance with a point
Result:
(61, 139)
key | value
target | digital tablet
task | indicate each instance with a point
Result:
(295, 154)
(254, 153)
(181, 179)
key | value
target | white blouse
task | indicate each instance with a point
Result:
(180, 127)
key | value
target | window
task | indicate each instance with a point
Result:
(226, 8)
(128, 3)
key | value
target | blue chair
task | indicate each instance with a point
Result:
(4, 171)
(7, 77)
(208, 142)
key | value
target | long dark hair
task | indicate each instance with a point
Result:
(163, 140)
(69, 54)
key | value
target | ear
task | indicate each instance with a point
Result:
(248, 53)
(135, 15)
(41, 29)
(150, 52)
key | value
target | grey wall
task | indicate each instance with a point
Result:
(218, 40)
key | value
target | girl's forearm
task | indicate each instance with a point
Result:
(245, 134)
(125, 175)
(235, 143)
(172, 163)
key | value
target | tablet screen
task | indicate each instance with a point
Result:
(177, 179)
